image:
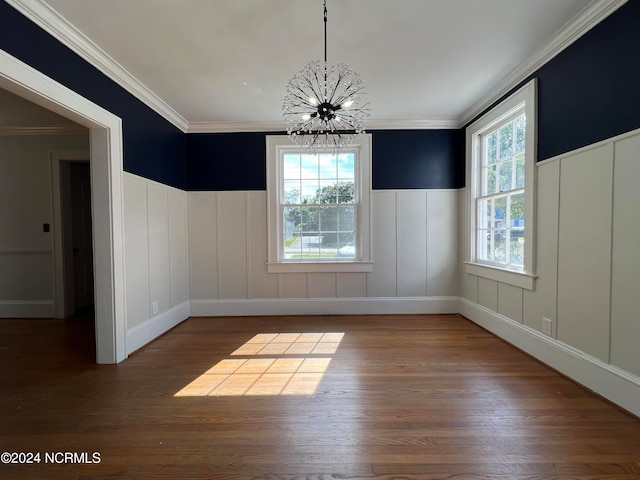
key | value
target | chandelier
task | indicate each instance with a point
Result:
(322, 106)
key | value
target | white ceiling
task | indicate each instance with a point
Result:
(213, 65)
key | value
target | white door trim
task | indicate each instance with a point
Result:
(106, 183)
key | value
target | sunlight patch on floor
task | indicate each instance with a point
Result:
(298, 370)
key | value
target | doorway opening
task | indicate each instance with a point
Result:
(105, 131)
(73, 248)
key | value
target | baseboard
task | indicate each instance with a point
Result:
(612, 383)
(27, 309)
(155, 326)
(324, 306)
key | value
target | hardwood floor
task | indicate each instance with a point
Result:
(395, 397)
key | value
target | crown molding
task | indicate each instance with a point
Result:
(231, 127)
(593, 14)
(53, 23)
(412, 124)
(34, 131)
(235, 127)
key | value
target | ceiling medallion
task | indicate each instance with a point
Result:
(323, 104)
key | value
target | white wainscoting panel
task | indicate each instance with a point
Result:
(584, 250)
(352, 284)
(443, 274)
(261, 283)
(293, 285)
(232, 245)
(155, 258)
(136, 250)
(470, 287)
(178, 247)
(228, 251)
(382, 281)
(203, 245)
(510, 301)
(541, 302)
(321, 285)
(488, 293)
(625, 268)
(412, 243)
(159, 263)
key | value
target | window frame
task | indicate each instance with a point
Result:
(277, 146)
(523, 100)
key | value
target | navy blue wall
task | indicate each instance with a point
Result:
(418, 159)
(591, 90)
(401, 159)
(153, 147)
(226, 161)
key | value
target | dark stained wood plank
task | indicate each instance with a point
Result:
(411, 396)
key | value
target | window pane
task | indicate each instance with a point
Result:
(517, 210)
(291, 166)
(327, 193)
(499, 246)
(346, 166)
(346, 192)
(484, 224)
(500, 212)
(328, 167)
(506, 180)
(491, 149)
(309, 166)
(520, 125)
(506, 141)
(328, 225)
(291, 220)
(291, 191)
(516, 248)
(309, 190)
(520, 171)
(490, 180)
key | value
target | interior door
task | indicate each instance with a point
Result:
(81, 235)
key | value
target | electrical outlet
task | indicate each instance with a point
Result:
(546, 326)
(154, 308)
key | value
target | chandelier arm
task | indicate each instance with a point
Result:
(300, 95)
(312, 87)
(335, 88)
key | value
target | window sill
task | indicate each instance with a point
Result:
(319, 267)
(502, 275)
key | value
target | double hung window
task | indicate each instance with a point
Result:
(500, 205)
(318, 207)
(501, 170)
